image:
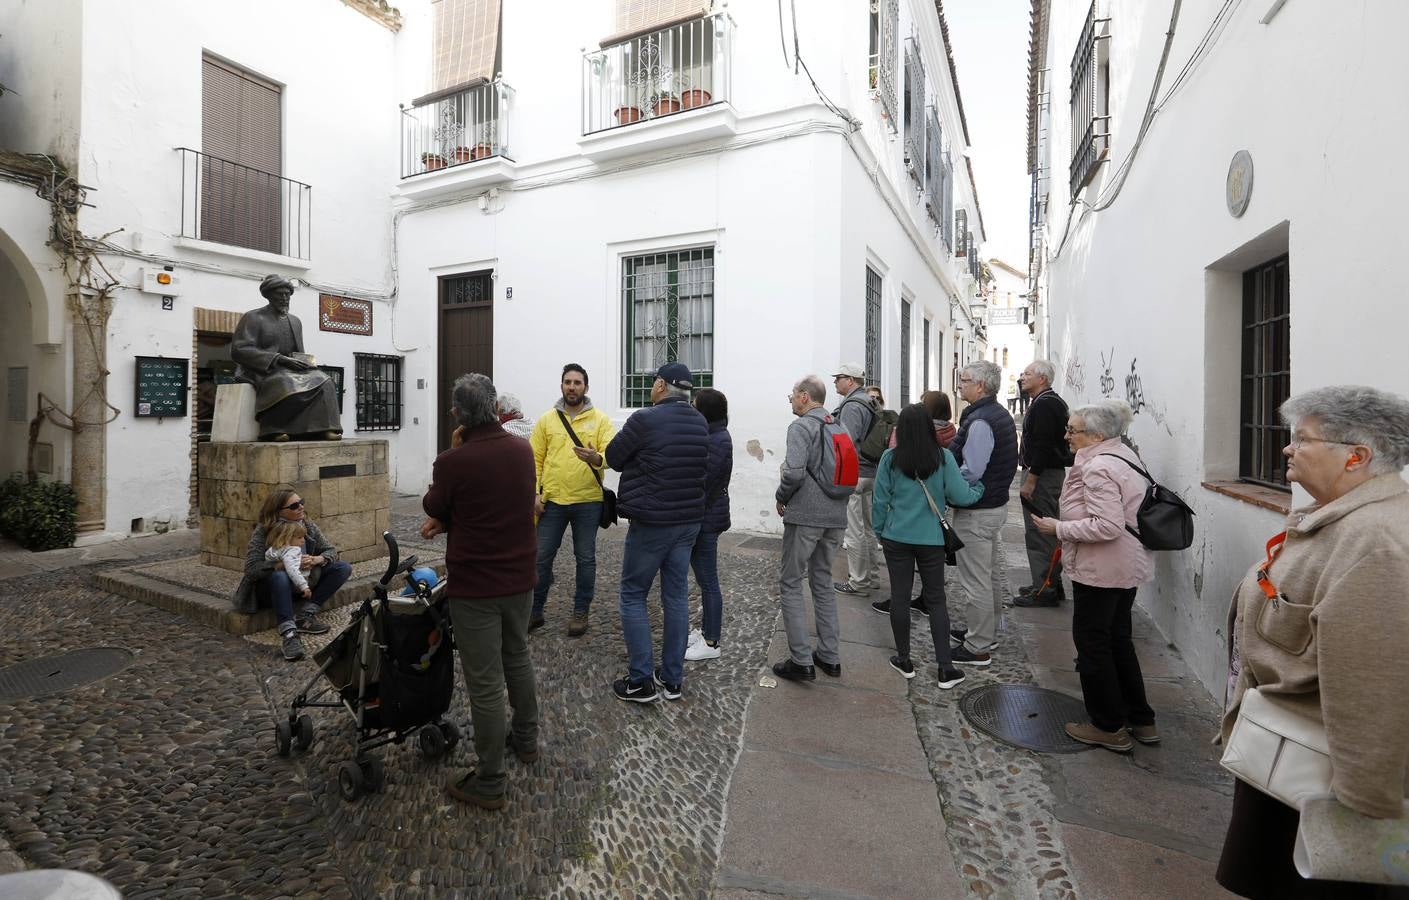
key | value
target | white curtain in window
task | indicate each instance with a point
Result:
(465, 41)
(635, 16)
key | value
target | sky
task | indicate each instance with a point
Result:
(990, 52)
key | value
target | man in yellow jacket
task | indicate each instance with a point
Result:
(569, 491)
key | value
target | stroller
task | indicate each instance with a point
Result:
(392, 668)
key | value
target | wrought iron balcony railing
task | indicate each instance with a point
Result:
(229, 203)
(682, 67)
(456, 129)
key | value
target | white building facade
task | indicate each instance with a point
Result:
(1211, 238)
(459, 186)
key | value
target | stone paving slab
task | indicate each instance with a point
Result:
(1111, 867)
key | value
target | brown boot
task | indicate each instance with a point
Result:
(577, 625)
(1118, 741)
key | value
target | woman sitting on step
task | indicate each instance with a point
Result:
(263, 577)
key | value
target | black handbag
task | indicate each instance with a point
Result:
(608, 518)
(1165, 521)
(952, 544)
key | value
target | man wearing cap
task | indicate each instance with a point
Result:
(661, 453)
(857, 413)
(292, 395)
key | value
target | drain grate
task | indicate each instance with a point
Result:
(1025, 716)
(60, 672)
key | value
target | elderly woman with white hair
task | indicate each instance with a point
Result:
(512, 418)
(1102, 493)
(1320, 626)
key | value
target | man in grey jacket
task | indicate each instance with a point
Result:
(813, 523)
(857, 413)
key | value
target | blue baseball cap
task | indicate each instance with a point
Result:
(676, 375)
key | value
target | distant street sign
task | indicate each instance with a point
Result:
(1013, 316)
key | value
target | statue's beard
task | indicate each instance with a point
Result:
(282, 308)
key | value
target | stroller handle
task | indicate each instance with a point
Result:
(393, 557)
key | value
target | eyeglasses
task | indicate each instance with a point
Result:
(1296, 442)
(1071, 430)
(297, 504)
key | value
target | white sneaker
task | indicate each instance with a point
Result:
(702, 650)
(696, 637)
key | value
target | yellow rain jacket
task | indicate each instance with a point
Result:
(562, 477)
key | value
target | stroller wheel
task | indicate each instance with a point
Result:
(373, 773)
(303, 738)
(350, 781)
(283, 737)
(451, 734)
(431, 741)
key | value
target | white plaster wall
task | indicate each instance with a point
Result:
(1318, 107)
(40, 60)
(340, 135)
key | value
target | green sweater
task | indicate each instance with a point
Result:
(899, 511)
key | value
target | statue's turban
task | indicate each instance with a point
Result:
(272, 283)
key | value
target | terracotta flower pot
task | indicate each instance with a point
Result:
(462, 155)
(432, 161)
(664, 106)
(482, 151)
(625, 115)
(694, 97)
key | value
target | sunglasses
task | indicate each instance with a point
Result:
(297, 504)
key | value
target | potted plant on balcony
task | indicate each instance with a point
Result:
(482, 150)
(462, 155)
(694, 97)
(432, 161)
(625, 115)
(665, 104)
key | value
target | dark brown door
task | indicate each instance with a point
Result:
(466, 338)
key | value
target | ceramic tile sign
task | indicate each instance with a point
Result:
(162, 384)
(344, 314)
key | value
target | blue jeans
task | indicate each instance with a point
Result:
(281, 590)
(584, 518)
(651, 549)
(704, 559)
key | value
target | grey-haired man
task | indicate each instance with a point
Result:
(857, 413)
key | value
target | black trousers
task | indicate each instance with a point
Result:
(1257, 856)
(901, 562)
(1111, 683)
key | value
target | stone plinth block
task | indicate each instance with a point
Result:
(344, 485)
(234, 414)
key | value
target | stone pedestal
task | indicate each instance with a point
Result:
(234, 419)
(344, 484)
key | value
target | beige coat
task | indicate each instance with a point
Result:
(1338, 645)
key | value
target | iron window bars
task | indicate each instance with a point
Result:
(229, 203)
(668, 301)
(873, 324)
(378, 380)
(934, 167)
(1266, 374)
(904, 353)
(1090, 133)
(464, 127)
(961, 228)
(887, 53)
(915, 161)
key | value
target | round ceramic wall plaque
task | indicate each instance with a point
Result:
(1239, 186)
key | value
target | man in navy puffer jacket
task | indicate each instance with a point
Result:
(661, 453)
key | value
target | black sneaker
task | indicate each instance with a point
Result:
(918, 605)
(903, 665)
(670, 691)
(293, 647)
(308, 623)
(949, 678)
(958, 634)
(635, 691)
(1046, 598)
(843, 587)
(882, 607)
(963, 657)
(535, 621)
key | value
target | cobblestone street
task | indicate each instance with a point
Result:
(164, 780)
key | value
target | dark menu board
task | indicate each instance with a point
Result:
(162, 383)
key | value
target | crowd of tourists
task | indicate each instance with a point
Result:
(1317, 628)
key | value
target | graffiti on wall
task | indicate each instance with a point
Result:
(1076, 373)
(1134, 389)
(1107, 379)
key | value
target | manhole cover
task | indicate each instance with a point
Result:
(762, 543)
(1024, 716)
(60, 672)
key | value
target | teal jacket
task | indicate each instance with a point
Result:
(899, 511)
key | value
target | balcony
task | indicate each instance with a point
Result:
(457, 140)
(225, 204)
(659, 89)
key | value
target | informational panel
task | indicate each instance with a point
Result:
(1011, 316)
(344, 314)
(161, 387)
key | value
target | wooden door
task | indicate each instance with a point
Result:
(466, 338)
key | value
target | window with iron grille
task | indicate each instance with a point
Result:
(947, 214)
(1089, 121)
(961, 228)
(925, 385)
(975, 265)
(668, 301)
(914, 112)
(904, 353)
(378, 391)
(886, 56)
(1266, 374)
(873, 325)
(934, 162)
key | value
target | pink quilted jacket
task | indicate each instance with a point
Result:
(1099, 498)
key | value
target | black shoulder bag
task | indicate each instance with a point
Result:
(1165, 521)
(608, 518)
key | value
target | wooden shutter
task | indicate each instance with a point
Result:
(464, 42)
(241, 130)
(635, 17)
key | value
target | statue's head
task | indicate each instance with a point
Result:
(277, 290)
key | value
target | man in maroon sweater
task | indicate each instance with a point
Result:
(481, 493)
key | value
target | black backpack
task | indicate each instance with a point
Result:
(1165, 521)
(874, 443)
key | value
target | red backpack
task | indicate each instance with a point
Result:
(841, 466)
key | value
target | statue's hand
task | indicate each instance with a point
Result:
(298, 365)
